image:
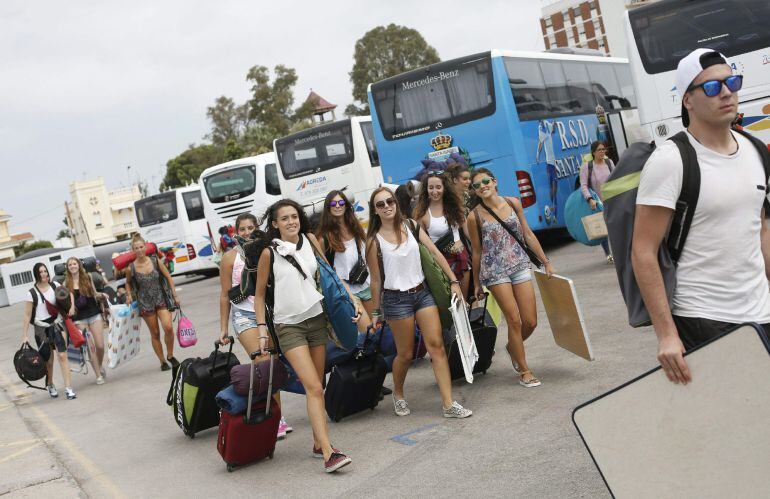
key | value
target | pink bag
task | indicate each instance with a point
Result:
(185, 331)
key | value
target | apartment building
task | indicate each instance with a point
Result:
(97, 216)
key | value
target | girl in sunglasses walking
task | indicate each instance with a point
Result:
(398, 286)
(501, 264)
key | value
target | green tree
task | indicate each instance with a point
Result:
(228, 121)
(27, 247)
(187, 167)
(383, 52)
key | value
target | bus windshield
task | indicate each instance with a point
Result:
(438, 96)
(668, 31)
(315, 150)
(231, 184)
(156, 209)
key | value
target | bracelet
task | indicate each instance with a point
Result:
(263, 337)
(454, 282)
(261, 324)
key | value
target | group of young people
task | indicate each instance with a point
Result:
(476, 244)
(147, 282)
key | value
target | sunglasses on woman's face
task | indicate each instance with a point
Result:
(484, 181)
(712, 88)
(388, 202)
(339, 203)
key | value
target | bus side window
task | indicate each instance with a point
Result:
(271, 180)
(194, 205)
(528, 88)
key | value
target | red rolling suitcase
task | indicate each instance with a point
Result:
(244, 439)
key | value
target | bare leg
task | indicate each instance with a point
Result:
(168, 331)
(152, 324)
(65, 368)
(403, 335)
(504, 296)
(430, 326)
(525, 300)
(304, 365)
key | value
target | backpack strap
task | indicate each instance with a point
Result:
(764, 154)
(688, 196)
(591, 172)
(379, 262)
(33, 291)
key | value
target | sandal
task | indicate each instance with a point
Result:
(515, 365)
(531, 383)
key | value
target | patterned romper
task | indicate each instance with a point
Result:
(150, 294)
(501, 256)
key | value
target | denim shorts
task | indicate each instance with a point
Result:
(364, 294)
(402, 304)
(519, 277)
(89, 320)
(242, 320)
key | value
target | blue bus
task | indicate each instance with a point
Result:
(528, 117)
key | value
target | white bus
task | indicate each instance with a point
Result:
(339, 155)
(243, 185)
(661, 33)
(174, 220)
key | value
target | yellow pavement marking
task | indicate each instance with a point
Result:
(30, 441)
(90, 469)
(19, 453)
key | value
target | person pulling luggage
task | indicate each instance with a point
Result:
(236, 299)
(298, 315)
(398, 283)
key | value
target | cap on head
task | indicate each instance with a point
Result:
(690, 67)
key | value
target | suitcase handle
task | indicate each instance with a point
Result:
(475, 298)
(258, 418)
(218, 344)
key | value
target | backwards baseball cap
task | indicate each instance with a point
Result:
(690, 67)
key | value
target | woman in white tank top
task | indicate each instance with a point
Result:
(343, 242)
(301, 326)
(241, 315)
(405, 297)
(439, 210)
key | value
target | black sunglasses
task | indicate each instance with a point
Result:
(381, 204)
(339, 203)
(484, 181)
(712, 88)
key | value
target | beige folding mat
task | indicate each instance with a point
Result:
(710, 438)
(564, 314)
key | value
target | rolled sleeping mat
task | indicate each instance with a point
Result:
(63, 298)
(124, 259)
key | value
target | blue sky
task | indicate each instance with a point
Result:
(90, 87)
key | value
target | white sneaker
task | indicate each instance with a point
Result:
(100, 380)
(457, 411)
(52, 391)
(70, 393)
(401, 407)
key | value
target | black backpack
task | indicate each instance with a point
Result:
(29, 365)
(619, 197)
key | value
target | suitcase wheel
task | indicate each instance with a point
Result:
(230, 467)
(270, 456)
(191, 435)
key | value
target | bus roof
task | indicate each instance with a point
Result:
(519, 54)
(259, 159)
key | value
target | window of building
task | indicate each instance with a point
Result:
(2, 283)
(592, 5)
(98, 219)
(21, 278)
(548, 22)
(597, 26)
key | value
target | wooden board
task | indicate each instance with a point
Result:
(711, 438)
(564, 314)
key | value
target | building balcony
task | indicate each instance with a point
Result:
(124, 228)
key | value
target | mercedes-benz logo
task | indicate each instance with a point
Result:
(439, 125)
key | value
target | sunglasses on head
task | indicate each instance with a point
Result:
(435, 173)
(381, 204)
(712, 88)
(339, 203)
(484, 181)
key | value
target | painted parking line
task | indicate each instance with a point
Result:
(404, 437)
(21, 452)
(90, 469)
(26, 442)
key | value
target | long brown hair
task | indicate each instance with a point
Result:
(453, 206)
(375, 222)
(84, 280)
(331, 231)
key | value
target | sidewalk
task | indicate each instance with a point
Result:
(28, 465)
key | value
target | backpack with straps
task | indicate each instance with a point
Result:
(619, 198)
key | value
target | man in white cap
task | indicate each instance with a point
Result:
(722, 270)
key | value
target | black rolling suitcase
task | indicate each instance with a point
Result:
(485, 336)
(355, 384)
(195, 385)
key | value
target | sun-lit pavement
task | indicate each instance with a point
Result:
(121, 439)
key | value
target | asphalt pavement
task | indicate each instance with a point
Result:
(120, 439)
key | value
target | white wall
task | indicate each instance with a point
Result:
(16, 294)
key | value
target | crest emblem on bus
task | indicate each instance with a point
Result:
(441, 141)
(662, 130)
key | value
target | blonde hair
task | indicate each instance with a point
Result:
(135, 239)
(84, 280)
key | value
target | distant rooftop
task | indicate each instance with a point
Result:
(321, 105)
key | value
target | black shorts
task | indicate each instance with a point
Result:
(48, 338)
(694, 331)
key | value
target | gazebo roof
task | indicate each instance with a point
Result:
(321, 105)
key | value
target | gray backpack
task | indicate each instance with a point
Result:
(619, 197)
